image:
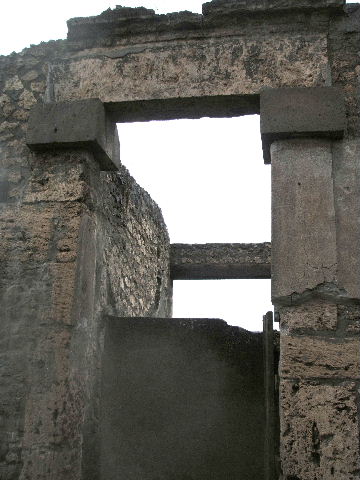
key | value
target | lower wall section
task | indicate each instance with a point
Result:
(181, 399)
(77, 242)
(320, 429)
(319, 391)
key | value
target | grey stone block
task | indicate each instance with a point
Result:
(303, 244)
(220, 261)
(301, 112)
(77, 124)
(346, 176)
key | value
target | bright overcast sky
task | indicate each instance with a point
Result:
(26, 22)
(207, 176)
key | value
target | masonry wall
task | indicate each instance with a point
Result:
(76, 242)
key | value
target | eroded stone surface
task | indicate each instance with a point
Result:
(194, 68)
(73, 219)
(349, 315)
(317, 316)
(319, 430)
(311, 357)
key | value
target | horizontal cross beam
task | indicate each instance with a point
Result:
(213, 261)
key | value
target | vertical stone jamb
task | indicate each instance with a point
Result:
(72, 145)
(318, 309)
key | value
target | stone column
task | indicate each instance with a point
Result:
(318, 305)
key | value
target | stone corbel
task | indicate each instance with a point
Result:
(287, 113)
(77, 124)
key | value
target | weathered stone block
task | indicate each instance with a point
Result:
(78, 124)
(38, 232)
(59, 177)
(319, 431)
(183, 70)
(346, 173)
(304, 254)
(349, 316)
(311, 357)
(307, 112)
(321, 316)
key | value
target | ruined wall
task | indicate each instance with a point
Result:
(76, 243)
(316, 280)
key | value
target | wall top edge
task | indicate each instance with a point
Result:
(224, 6)
(124, 19)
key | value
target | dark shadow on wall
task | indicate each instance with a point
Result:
(181, 399)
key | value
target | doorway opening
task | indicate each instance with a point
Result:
(208, 177)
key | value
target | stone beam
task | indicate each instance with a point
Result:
(182, 57)
(77, 124)
(301, 112)
(214, 261)
(219, 106)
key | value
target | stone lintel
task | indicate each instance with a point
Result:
(77, 124)
(216, 106)
(220, 261)
(301, 112)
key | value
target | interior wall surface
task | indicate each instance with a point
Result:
(181, 398)
(77, 243)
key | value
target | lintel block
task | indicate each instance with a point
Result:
(287, 113)
(76, 124)
(220, 261)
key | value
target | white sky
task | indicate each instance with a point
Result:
(209, 178)
(172, 160)
(25, 22)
